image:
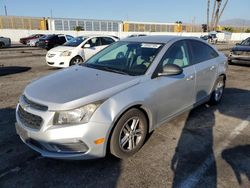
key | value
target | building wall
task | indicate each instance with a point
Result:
(61, 24)
(19, 22)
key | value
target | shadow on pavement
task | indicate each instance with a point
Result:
(239, 159)
(194, 162)
(22, 167)
(4, 71)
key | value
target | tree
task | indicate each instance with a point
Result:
(229, 29)
(79, 28)
(247, 30)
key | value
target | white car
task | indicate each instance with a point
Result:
(77, 50)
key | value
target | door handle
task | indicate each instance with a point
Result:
(191, 77)
(212, 68)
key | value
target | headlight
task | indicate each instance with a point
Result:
(76, 116)
(65, 53)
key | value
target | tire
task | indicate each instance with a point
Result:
(1, 45)
(127, 139)
(76, 61)
(218, 91)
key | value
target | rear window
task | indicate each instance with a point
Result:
(201, 52)
(48, 36)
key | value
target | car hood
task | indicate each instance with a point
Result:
(61, 48)
(241, 48)
(76, 86)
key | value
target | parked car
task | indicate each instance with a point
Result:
(211, 38)
(118, 96)
(34, 42)
(26, 39)
(51, 41)
(77, 50)
(137, 35)
(240, 53)
(5, 42)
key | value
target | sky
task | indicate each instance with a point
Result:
(187, 11)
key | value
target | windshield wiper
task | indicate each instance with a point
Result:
(110, 69)
(106, 68)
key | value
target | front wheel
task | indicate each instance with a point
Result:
(76, 61)
(218, 91)
(129, 133)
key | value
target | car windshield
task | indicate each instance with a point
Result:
(131, 58)
(75, 41)
(246, 42)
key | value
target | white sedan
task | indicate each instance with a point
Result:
(77, 50)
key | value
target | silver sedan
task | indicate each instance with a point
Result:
(114, 99)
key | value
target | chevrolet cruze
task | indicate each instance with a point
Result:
(113, 100)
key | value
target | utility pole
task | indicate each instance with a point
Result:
(208, 12)
(217, 13)
(51, 13)
(5, 10)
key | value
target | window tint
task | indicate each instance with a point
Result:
(107, 40)
(202, 52)
(177, 54)
(94, 42)
(62, 39)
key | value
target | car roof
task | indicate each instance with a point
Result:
(88, 36)
(156, 38)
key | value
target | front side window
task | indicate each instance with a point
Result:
(96, 41)
(177, 54)
(107, 41)
(132, 58)
(202, 52)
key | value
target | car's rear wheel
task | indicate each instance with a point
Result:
(76, 60)
(129, 133)
(218, 91)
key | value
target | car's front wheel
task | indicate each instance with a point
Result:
(129, 133)
(76, 61)
(218, 91)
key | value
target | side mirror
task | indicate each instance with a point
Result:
(86, 46)
(171, 70)
(237, 44)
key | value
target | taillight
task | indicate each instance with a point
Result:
(46, 41)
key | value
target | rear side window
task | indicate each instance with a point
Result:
(62, 39)
(202, 52)
(107, 40)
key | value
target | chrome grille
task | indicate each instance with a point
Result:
(28, 119)
(34, 105)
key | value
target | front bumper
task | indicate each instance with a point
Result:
(63, 142)
(58, 61)
(239, 59)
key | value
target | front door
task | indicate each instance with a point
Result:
(173, 94)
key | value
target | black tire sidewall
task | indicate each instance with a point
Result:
(114, 141)
(213, 101)
(73, 59)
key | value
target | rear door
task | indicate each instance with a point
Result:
(204, 59)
